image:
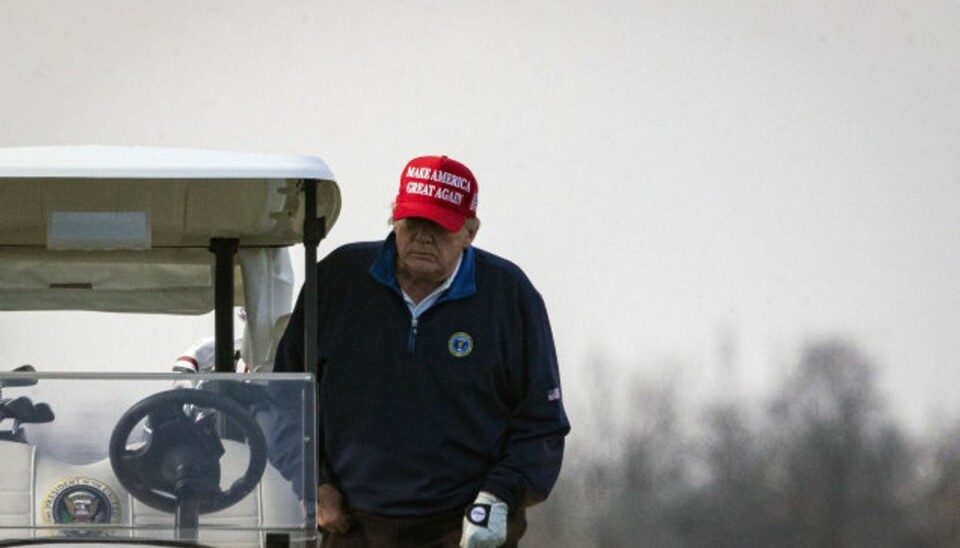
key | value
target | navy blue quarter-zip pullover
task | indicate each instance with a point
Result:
(417, 416)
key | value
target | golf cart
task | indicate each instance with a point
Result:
(157, 461)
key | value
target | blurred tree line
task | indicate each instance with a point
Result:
(821, 464)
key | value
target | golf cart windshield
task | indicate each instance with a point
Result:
(162, 460)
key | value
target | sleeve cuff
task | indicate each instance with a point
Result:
(502, 492)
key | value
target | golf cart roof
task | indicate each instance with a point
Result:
(186, 196)
(100, 162)
(133, 225)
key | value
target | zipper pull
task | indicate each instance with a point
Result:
(412, 340)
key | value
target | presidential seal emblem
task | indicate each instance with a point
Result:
(460, 344)
(81, 500)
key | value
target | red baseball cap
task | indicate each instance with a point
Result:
(438, 189)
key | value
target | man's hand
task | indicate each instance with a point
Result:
(330, 514)
(485, 523)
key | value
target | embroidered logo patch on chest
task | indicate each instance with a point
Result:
(460, 344)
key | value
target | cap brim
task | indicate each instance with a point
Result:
(449, 220)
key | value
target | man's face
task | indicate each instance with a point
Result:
(426, 251)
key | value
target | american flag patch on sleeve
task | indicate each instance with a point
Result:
(553, 395)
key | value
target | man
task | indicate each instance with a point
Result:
(440, 418)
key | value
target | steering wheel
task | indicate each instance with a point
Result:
(180, 464)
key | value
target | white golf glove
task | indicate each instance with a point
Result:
(485, 523)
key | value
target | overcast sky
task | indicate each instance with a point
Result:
(673, 175)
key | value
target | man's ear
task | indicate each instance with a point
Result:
(470, 230)
(472, 226)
